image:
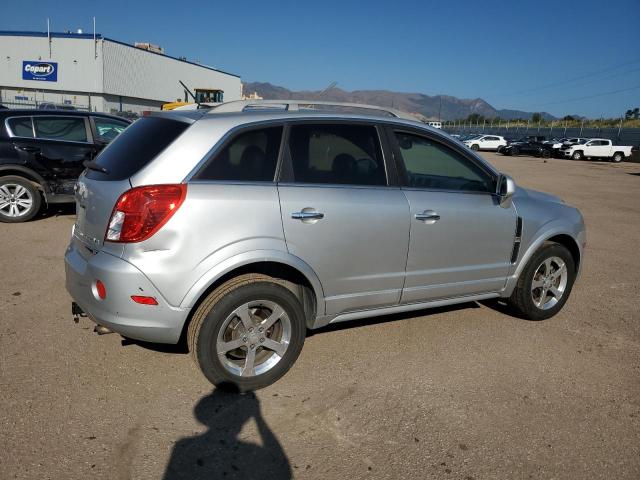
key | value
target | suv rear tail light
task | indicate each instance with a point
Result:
(142, 211)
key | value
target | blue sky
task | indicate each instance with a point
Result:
(555, 56)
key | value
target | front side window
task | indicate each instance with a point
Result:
(336, 154)
(432, 165)
(68, 129)
(250, 157)
(21, 127)
(108, 129)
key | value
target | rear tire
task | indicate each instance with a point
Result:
(617, 157)
(20, 199)
(234, 315)
(545, 154)
(553, 270)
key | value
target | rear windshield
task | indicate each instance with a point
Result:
(134, 148)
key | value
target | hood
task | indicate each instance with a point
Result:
(536, 195)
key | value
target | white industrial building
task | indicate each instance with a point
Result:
(98, 74)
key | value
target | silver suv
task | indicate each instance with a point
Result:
(240, 227)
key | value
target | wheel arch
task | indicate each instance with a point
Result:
(560, 236)
(27, 173)
(570, 244)
(299, 277)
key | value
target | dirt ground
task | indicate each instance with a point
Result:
(462, 393)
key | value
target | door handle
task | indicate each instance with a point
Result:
(27, 148)
(307, 215)
(428, 216)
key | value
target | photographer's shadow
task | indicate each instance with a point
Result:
(218, 452)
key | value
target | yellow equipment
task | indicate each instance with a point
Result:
(203, 95)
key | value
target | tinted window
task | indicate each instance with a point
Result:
(343, 154)
(432, 165)
(251, 156)
(136, 147)
(107, 129)
(69, 129)
(21, 127)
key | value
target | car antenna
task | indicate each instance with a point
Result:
(190, 93)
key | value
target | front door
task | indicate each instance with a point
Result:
(341, 217)
(461, 239)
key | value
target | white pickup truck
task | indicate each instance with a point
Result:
(596, 148)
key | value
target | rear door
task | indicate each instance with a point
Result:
(343, 215)
(594, 148)
(606, 149)
(491, 143)
(461, 239)
(64, 143)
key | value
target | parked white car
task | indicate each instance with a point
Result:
(435, 124)
(597, 148)
(486, 142)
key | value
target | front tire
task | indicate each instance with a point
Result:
(247, 333)
(545, 283)
(577, 155)
(20, 199)
(475, 147)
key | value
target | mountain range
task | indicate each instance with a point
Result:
(429, 107)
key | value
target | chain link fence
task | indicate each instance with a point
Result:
(620, 136)
(30, 105)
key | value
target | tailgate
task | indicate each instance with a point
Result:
(95, 200)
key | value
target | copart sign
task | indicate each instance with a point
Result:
(42, 71)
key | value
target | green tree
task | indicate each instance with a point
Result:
(536, 117)
(632, 114)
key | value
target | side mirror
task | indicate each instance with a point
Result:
(505, 190)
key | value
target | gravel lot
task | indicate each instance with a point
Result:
(465, 392)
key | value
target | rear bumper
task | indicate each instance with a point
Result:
(160, 323)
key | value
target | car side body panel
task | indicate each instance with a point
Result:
(359, 249)
(543, 217)
(216, 222)
(467, 251)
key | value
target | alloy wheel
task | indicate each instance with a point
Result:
(253, 338)
(15, 200)
(549, 283)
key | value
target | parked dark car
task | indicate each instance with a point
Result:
(530, 145)
(42, 154)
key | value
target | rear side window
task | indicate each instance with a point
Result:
(67, 129)
(336, 154)
(20, 127)
(249, 157)
(132, 150)
(108, 129)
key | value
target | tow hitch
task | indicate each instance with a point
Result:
(77, 312)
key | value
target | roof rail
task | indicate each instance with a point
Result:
(295, 105)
